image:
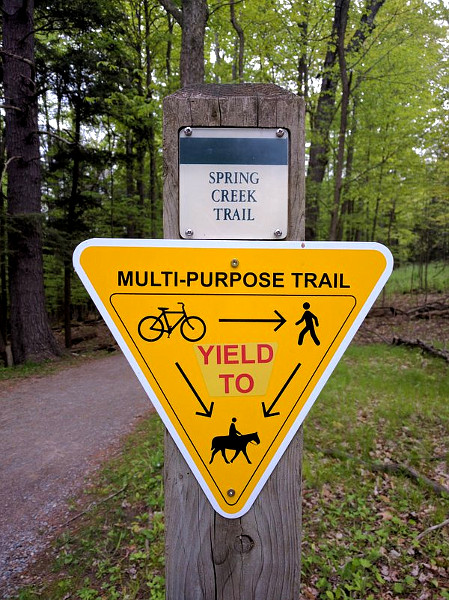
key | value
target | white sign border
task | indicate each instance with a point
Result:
(208, 244)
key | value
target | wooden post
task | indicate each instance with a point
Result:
(257, 556)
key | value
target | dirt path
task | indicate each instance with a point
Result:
(54, 431)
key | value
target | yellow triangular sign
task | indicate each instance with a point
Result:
(232, 341)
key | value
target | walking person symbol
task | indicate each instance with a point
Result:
(310, 320)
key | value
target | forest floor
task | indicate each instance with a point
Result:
(423, 317)
(58, 429)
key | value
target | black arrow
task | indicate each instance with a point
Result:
(280, 320)
(207, 411)
(268, 413)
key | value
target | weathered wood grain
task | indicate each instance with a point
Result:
(257, 556)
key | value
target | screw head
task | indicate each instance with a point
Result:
(189, 232)
(234, 263)
(280, 132)
(231, 493)
(277, 233)
(187, 131)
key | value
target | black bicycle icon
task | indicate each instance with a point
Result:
(151, 328)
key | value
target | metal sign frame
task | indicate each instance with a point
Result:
(233, 183)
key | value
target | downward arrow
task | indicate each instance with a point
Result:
(280, 320)
(268, 413)
(207, 411)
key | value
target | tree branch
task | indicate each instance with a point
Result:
(10, 107)
(397, 341)
(366, 26)
(93, 505)
(54, 135)
(389, 467)
(218, 6)
(433, 528)
(171, 8)
(6, 166)
(17, 57)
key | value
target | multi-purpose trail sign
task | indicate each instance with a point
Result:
(232, 341)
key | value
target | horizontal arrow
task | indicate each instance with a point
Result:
(207, 411)
(268, 413)
(280, 320)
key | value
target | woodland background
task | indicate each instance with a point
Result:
(81, 139)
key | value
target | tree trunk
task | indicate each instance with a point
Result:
(192, 18)
(168, 50)
(3, 252)
(31, 336)
(303, 68)
(344, 107)
(3, 278)
(151, 141)
(347, 208)
(240, 45)
(71, 209)
(321, 121)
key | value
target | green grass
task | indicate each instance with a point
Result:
(31, 369)
(28, 369)
(359, 526)
(431, 278)
(382, 405)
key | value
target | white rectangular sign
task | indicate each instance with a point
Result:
(233, 183)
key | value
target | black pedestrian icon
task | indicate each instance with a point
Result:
(234, 441)
(310, 321)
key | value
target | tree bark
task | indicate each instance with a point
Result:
(192, 18)
(241, 43)
(31, 336)
(152, 179)
(347, 209)
(3, 250)
(303, 68)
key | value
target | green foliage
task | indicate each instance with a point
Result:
(28, 369)
(104, 68)
(360, 526)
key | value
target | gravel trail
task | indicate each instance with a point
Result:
(54, 431)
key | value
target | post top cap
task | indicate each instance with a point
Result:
(219, 90)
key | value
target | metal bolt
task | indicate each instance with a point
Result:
(280, 132)
(187, 131)
(189, 232)
(234, 263)
(277, 233)
(231, 493)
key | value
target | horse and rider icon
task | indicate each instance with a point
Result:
(310, 321)
(234, 441)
